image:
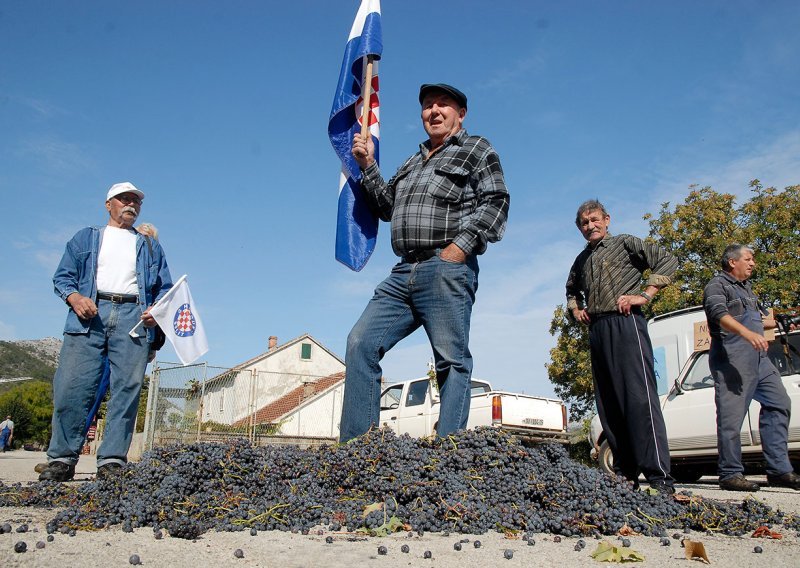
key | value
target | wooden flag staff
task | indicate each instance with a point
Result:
(366, 97)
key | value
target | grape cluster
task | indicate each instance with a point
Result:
(471, 482)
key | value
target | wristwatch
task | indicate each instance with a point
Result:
(646, 296)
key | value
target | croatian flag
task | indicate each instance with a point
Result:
(356, 226)
(177, 316)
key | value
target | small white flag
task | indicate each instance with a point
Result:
(178, 318)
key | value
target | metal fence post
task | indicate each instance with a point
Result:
(251, 431)
(202, 400)
(150, 412)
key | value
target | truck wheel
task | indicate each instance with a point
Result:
(606, 458)
(685, 474)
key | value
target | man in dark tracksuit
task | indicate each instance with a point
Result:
(743, 372)
(604, 291)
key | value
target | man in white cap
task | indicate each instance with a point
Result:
(109, 277)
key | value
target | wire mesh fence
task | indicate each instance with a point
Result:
(197, 403)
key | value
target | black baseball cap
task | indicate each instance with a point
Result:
(457, 95)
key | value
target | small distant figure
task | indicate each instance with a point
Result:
(148, 229)
(6, 433)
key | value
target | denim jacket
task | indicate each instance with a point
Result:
(77, 272)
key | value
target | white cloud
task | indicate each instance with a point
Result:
(55, 155)
(7, 332)
(775, 163)
(509, 77)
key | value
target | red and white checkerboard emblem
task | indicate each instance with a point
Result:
(184, 323)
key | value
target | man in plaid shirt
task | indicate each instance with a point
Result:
(445, 204)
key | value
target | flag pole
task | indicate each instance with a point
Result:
(366, 97)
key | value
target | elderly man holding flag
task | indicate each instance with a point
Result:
(445, 204)
(109, 276)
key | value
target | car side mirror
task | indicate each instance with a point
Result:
(677, 387)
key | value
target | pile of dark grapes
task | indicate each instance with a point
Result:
(471, 482)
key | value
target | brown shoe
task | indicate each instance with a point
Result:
(790, 480)
(738, 482)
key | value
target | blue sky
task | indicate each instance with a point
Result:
(218, 111)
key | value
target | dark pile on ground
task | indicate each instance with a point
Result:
(472, 482)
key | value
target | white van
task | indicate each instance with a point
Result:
(675, 336)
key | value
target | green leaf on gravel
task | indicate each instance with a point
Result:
(391, 526)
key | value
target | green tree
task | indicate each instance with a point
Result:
(770, 221)
(570, 368)
(30, 405)
(697, 232)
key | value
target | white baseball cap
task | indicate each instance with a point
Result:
(124, 187)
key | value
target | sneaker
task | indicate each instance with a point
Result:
(738, 482)
(662, 487)
(791, 480)
(57, 471)
(108, 470)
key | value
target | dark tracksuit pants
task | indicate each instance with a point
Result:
(627, 396)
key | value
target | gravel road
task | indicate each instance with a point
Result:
(112, 547)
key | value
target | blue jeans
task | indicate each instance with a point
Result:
(78, 376)
(435, 294)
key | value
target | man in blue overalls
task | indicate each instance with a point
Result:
(743, 372)
(6, 433)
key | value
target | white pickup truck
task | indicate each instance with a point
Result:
(412, 407)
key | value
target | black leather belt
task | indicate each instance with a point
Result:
(420, 255)
(118, 298)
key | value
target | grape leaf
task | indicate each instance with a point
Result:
(607, 552)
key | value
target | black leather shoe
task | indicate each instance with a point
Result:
(662, 487)
(791, 480)
(738, 482)
(108, 470)
(57, 471)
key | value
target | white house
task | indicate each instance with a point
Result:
(235, 396)
(313, 409)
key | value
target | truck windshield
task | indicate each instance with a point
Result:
(699, 376)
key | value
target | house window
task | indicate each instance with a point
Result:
(222, 400)
(305, 351)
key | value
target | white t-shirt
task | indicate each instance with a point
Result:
(116, 263)
(6, 424)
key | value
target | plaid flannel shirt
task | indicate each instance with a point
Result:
(455, 195)
(600, 275)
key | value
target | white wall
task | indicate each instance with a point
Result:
(320, 417)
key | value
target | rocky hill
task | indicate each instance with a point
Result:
(30, 358)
